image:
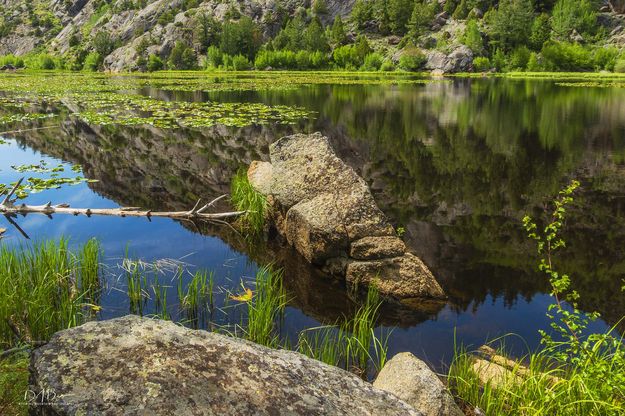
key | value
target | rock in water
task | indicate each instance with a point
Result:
(326, 211)
(412, 380)
(140, 366)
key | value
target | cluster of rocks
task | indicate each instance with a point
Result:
(140, 366)
(328, 214)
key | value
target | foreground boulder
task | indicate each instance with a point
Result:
(412, 380)
(327, 212)
(140, 366)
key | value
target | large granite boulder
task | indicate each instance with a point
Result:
(140, 366)
(412, 380)
(458, 60)
(327, 212)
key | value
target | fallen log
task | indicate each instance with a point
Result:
(198, 212)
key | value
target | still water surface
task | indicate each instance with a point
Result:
(456, 164)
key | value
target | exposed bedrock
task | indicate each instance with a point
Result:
(140, 366)
(326, 211)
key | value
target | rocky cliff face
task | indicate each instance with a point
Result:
(57, 25)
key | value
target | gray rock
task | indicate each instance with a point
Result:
(402, 277)
(459, 60)
(375, 248)
(412, 380)
(327, 213)
(140, 366)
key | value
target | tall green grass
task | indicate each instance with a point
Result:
(353, 345)
(245, 198)
(266, 308)
(46, 287)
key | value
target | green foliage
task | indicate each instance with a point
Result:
(387, 66)
(266, 308)
(619, 66)
(533, 65)
(564, 56)
(92, 62)
(512, 23)
(347, 57)
(214, 57)
(15, 61)
(240, 63)
(207, 31)
(45, 288)
(362, 12)
(605, 58)
(373, 62)
(421, 18)
(103, 43)
(578, 373)
(337, 33)
(519, 58)
(399, 15)
(570, 15)
(481, 64)
(473, 38)
(155, 63)
(541, 31)
(245, 198)
(412, 60)
(462, 10)
(182, 57)
(242, 37)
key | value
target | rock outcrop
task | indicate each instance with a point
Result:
(326, 211)
(412, 380)
(459, 60)
(140, 366)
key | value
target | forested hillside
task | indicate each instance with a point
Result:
(433, 35)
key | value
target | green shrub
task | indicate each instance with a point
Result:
(387, 66)
(182, 57)
(214, 57)
(155, 63)
(481, 64)
(619, 66)
(240, 63)
(412, 60)
(373, 62)
(318, 60)
(92, 62)
(347, 57)
(16, 61)
(605, 58)
(302, 58)
(564, 56)
(519, 58)
(533, 65)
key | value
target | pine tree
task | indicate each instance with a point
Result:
(337, 32)
(421, 18)
(398, 15)
(512, 23)
(362, 12)
(473, 38)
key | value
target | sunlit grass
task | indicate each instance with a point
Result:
(46, 287)
(245, 198)
(13, 385)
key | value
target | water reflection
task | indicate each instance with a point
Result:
(456, 164)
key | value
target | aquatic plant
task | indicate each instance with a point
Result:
(245, 198)
(354, 344)
(196, 301)
(46, 287)
(574, 372)
(265, 308)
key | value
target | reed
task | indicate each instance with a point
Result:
(266, 308)
(44, 288)
(245, 198)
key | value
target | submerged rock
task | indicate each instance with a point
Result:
(140, 366)
(327, 212)
(412, 380)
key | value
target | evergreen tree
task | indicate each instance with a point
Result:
(314, 38)
(512, 23)
(207, 31)
(421, 18)
(462, 11)
(242, 37)
(362, 12)
(384, 20)
(473, 38)
(399, 15)
(569, 15)
(337, 32)
(541, 31)
(182, 57)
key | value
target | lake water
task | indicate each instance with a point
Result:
(455, 163)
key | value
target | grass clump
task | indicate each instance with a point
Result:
(245, 198)
(574, 373)
(44, 288)
(266, 308)
(353, 345)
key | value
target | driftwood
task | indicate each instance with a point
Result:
(9, 209)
